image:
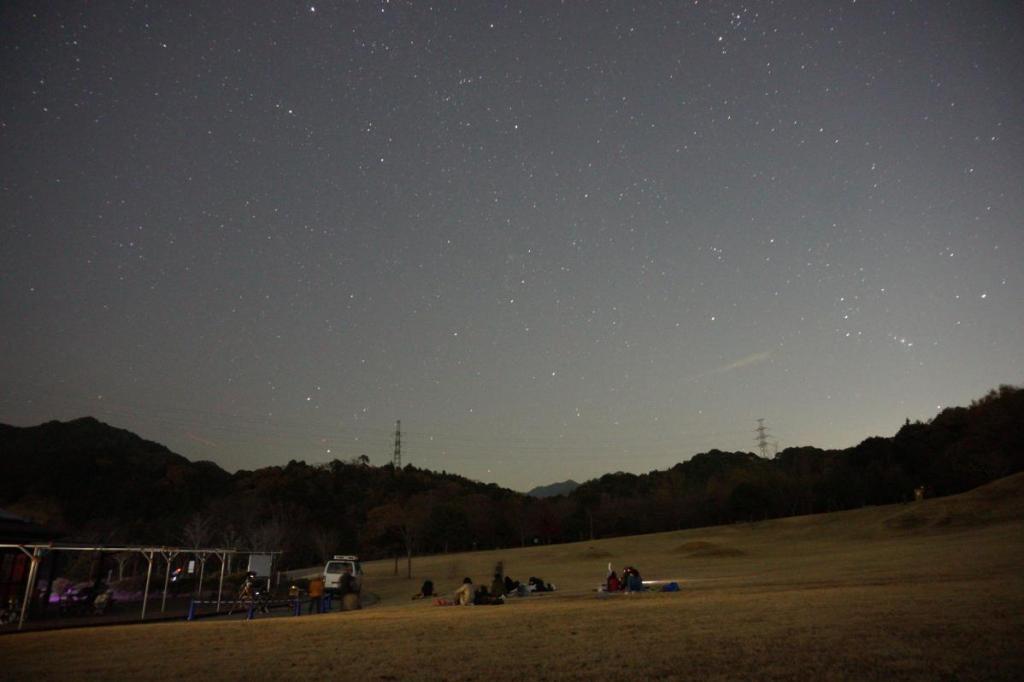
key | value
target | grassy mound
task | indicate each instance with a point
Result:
(997, 502)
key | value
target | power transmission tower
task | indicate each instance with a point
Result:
(397, 461)
(762, 437)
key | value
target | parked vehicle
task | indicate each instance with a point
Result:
(335, 569)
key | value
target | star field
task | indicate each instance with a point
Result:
(555, 240)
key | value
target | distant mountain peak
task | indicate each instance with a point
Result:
(554, 489)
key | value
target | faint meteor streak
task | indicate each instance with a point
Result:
(747, 361)
(199, 439)
(751, 359)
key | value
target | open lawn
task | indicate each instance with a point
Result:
(932, 590)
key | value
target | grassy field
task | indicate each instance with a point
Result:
(931, 591)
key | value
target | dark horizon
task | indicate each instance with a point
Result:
(1003, 391)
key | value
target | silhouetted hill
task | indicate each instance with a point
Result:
(554, 489)
(101, 483)
(960, 449)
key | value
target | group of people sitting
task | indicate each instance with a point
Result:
(501, 586)
(479, 596)
(630, 581)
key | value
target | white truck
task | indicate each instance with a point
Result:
(335, 569)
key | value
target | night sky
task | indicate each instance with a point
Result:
(555, 240)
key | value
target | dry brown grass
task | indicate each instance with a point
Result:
(926, 591)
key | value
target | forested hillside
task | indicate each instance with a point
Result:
(99, 483)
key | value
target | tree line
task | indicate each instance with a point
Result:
(103, 484)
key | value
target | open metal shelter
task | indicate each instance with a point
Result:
(36, 552)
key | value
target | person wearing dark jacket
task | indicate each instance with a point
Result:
(426, 591)
(631, 580)
(349, 588)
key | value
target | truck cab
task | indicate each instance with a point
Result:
(335, 568)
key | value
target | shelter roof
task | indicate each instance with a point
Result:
(16, 529)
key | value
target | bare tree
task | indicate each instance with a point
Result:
(517, 512)
(230, 538)
(197, 531)
(406, 520)
(268, 537)
(196, 534)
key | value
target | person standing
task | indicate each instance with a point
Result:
(348, 588)
(316, 595)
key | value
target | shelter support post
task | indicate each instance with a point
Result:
(220, 587)
(149, 574)
(33, 571)
(202, 571)
(168, 557)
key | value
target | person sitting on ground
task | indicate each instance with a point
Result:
(484, 598)
(613, 584)
(511, 585)
(631, 580)
(538, 585)
(464, 595)
(426, 591)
